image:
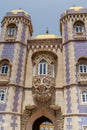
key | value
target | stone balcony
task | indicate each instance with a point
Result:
(10, 38)
(82, 78)
(81, 36)
(4, 78)
(43, 87)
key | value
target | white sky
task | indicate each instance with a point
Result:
(44, 13)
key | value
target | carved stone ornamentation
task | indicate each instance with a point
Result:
(43, 87)
(82, 78)
(26, 115)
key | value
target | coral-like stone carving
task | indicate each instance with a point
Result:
(43, 87)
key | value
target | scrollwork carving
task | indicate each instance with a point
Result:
(43, 87)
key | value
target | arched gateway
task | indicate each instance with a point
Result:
(42, 120)
(43, 123)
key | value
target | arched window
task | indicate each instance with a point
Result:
(42, 68)
(84, 96)
(4, 68)
(2, 95)
(79, 27)
(82, 65)
(83, 68)
(11, 30)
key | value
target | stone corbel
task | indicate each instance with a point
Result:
(56, 109)
(30, 108)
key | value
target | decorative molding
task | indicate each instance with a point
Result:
(71, 114)
(12, 113)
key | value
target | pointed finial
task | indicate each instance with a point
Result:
(47, 31)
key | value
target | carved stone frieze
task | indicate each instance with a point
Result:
(43, 87)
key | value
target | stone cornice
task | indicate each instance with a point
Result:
(74, 84)
(12, 42)
(72, 114)
(11, 113)
(30, 87)
(75, 40)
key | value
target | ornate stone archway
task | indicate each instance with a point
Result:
(38, 114)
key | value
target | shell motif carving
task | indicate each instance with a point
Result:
(43, 87)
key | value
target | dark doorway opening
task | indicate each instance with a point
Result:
(43, 123)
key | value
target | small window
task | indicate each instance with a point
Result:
(79, 29)
(4, 68)
(83, 68)
(42, 70)
(11, 31)
(2, 95)
(82, 65)
(84, 96)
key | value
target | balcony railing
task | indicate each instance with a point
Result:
(4, 78)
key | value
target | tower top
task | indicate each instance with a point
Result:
(74, 10)
(18, 16)
(18, 12)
